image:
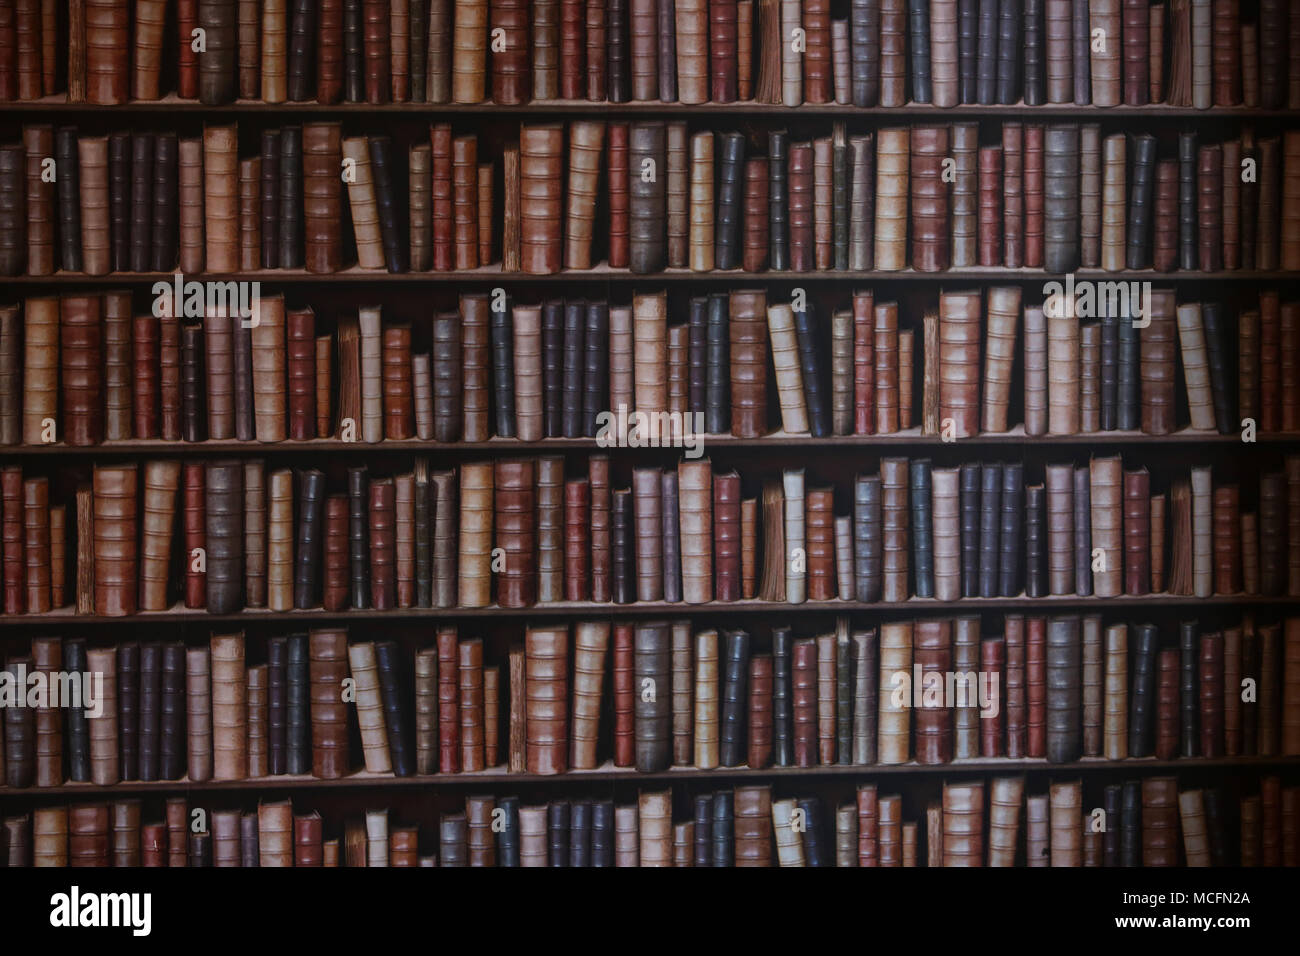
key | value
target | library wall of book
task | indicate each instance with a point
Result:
(650, 433)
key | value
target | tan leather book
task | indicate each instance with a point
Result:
(279, 541)
(906, 376)
(1191, 815)
(677, 154)
(269, 365)
(161, 481)
(695, 519)
(546, 662)
(371, 350)
(894, 721)
(789, 377)
(541, 170)
(826, 698)
(1196, 366)
(649, 333)
(1037, 831)
(586, 145)
(789, 842)
(959, 365)
(40, 381)
(654, 823)
(707, 695)
(1202, 533)
(258, 755)
(893, 150)
(1113, 203)
(275, 47)
(796, 575)
(104, 767)
(1059, 479)
(700, 255)
(1105, 60)
(691, 20)
(96, 245)
(590, 643)
(364, 671)
(1115, 695)
(49, 836)
(683, 678)
(476, 509)
(963, 824)
(1062, 366)
(147, 53)
(361, 201)
(469, 677)
(1090, 378)
(1066, 822)
(999, 355)
(622, 360)
(1106, 498)
(529, 410)
(491, 716)
(190, 215)
(885, 356)
(198, 709)
(469, 51)
(1035, 365)
(114, 529)
(220, 198)
(1006, 794)
(229, 708)
(945, 493)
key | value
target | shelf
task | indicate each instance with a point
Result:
(920, 111)
(608, 773)
(496, 447)
(603, 273)
(1053, 604)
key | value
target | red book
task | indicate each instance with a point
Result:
(1036, 685)
(624, 695)
(195, 524)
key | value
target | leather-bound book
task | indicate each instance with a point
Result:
(648, 533)
(396, 721)
(894, 526)
(379, 503)
(1189, 709)
(20, 737)
(1209, 190)
(932, 649)
(1217, 359)
(726, 537)
(1061, 198)
(223, 536)
(1009, 48)
(989, 226)
(447, 374)
(449, 716)
(501, 326)
(921, 526)
(597, 379)
(217, 74)
(735, 690)
(1159, 821)
(985, 54)
(229, 708)
(36, 544)
(161, 479)
(577, 541)
(705, 750)
(1060, 51)
(476, 508)
(930, 215)
(1187, 215)
(550, 528)
(95, 199)
(646, 209)
(329, 720)
(81, 355)
(894, 721)
(804, 700)
(653, 651)
(802, 206)
(516, 534)
(590, 643)
(892, 151)
(469, 52)
(115, 529)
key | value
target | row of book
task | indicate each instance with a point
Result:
(84, 369)
(1155, 821)
(648, 196)
(877, 52)
(516, 533)
(650, 695)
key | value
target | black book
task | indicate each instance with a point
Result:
(307, 553)
(270, 198)
(735, 700)
(580, 833)
(778, 200)
(724, 841)
(1081, 34)
(817, 851)
(864, 39)
(990, 523)
(814, 382)
(419, 50)
(1127, 410)
(1035, 542)
(68, 190)
(298, 712)
(142, 177)
(868, 559)
(703, 830)
(602, 833)
(968, 37)
(970, 476)
(302, 49)
(1187, 258)
(922, 527)
(986, 53)
(75, 718)
(1064, 689)
(242, 356)
(1141, 199)
(844, 700)
(1082, 531)
(172, 750)
(555, 398)
(166, 204)
(150, 710)
(1130, 825)
(128, 710)
(1109, 371)
(392, 226)
(557, 832)
(508, 835)
(501, 325)
(121, 211)
(726, 231)
(617, 79)
(1221, 379)
(1142, 702)
(1013, 505)
(697, 377)
(1110, 840)
(277, 705)
(621, 553)
(717, 393)
(359, 536)
(595, 372)
(397, 709)
(1010, 50)
(572, 369)
(782, 697)
(1035, 84)
(354, 77)
(1189, 703)
(290, 226)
